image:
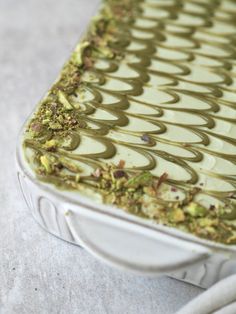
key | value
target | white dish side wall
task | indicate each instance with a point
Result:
(125, 245)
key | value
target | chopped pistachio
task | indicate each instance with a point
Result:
(105, 52)
(46, 162)
(210, 229)
(55, 125)
(141, 179)
(195, 210)
(177, 215)
(149, 190)
(64, 101)
(46, 121)
(60, 118)
(48, 113)
(120, 183)
(78, 54)
(232, 240)
(207, 222)
(151, 209)
(70, 165)
(51, 144)
(228, 213)
(77, 178)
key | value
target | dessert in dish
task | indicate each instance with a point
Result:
(143, 115)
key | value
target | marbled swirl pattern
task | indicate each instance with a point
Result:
(175, 82)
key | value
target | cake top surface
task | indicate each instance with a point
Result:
(143, 115)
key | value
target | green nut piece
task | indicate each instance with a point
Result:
(50, 144)
(228, 213)
(46, 121)
(55, 126)
(48, 113)
(78, 54)
(77, 178)
(196, 210)
(46, 162)
(205, 222)
(106, 52)
(70, 165)
(177, 215)
(141, 179)
(64, 101)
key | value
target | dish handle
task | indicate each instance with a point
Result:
(132, 246)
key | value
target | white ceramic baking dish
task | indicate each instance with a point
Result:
(120, 239)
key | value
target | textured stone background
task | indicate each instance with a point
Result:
(39, 273)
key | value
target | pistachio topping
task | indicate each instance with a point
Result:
(196, 210)
(64, 101)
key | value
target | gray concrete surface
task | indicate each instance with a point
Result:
(39, 273)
